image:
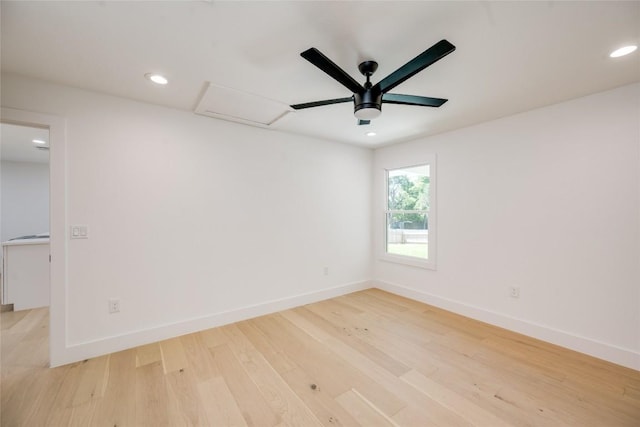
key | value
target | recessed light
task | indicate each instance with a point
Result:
(371, 134)
(39, 142)
(626, 50)
(157, 78)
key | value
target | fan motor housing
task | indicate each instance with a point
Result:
(370, 98)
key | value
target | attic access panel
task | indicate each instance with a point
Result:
(234, 105)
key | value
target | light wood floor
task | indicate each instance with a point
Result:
(369, 358)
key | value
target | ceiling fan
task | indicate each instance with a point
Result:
(368, 99)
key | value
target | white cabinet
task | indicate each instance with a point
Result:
(25, 273)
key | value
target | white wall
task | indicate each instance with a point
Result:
(194, 221)
(24, 199)
(546, 200)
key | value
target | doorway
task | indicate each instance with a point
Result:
(55, 127)
(24, 216)
(24, 236)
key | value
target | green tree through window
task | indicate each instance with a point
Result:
(407, 211)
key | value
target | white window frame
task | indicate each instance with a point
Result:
(429, 263)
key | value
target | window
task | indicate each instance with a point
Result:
(409, 225)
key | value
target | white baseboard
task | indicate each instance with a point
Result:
(611, 353)
(85, 350)
(601, 350)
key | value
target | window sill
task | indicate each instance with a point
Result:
(413, 262)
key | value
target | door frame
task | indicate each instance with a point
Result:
(57, 223)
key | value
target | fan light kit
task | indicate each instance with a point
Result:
(368, 98)
(367, 113)
(157, 78)
(626, 50)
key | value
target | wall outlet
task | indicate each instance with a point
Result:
(114, 305)
(325, 271)
(514, 292)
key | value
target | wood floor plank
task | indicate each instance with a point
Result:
(379, 357)
(541, 413)
(481, 394)
(278, 358)
(185, 408)
(574, 400)
(62, 406)
(219, 404)
(482, 380)
(275, 390)
(83, 414)
(34, 399)
(365, 299)
(367, 358)
(10, 318)
(332, 373)
(364, 411)
(412, 305)
(25, 343)
(316, 361)
(151, 397)
(93, 380)
(117, 408)
(213, 337)
(253, 405)
(632, 392)
(30, 321)
(417, 407)
(147, 354)
(173, 355)
(453, 401)
(326, 409)
(199, 360)
(405, 351)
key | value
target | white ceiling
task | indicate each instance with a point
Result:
(16, 143)
(510, 56)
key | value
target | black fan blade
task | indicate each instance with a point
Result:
(318, 59)
(394, 98)
(320, 103)
(363, 122)
(417, 64)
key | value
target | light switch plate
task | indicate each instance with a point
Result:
(79, 232)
